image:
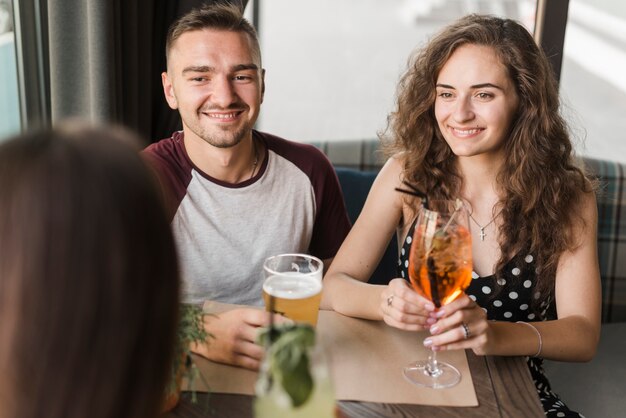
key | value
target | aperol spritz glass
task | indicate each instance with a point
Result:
(440, 269)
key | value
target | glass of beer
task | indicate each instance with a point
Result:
(440, 269)
(295, 282)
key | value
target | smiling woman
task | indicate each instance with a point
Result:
(477, 119)
(476, 102)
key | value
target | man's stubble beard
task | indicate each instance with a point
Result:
(231, 140)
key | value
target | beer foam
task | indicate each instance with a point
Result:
(292, 286)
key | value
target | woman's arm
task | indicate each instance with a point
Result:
(572, 337)
(345, 285)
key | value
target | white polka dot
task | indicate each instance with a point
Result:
(513, 295)
(403, 251)
(406, 264)
(516, 271)
(486, 290)
(531, 316)
(472, 297)
(529, 258)
(527, 284)
(537, 294)
(409, 239)
(501, 282)
(484, 310)
(560, 414)
(523, 307)
(508, 314)
(475, 275)
(497, 303)
(402, 273)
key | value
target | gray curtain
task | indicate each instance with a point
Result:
(84, 62)
(105, 59)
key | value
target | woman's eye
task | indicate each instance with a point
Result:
(484, 96)
(445, 95)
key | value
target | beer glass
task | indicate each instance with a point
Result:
(440, 268)
(295, 282)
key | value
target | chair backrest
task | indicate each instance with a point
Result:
(611, 200)
(356, 185)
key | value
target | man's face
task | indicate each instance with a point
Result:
(216, 82)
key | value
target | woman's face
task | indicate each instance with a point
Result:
(476, 102)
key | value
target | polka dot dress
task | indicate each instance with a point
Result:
(509, 298)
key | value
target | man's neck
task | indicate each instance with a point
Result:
(231, 165)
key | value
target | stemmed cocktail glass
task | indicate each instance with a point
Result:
(440, 268)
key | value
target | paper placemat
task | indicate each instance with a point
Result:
(366, 361)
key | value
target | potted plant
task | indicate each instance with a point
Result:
(190, 330)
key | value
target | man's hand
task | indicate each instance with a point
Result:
(234, 335)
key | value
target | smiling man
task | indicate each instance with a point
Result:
(235, 195)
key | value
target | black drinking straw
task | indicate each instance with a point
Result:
(432, 278)
(414, 192)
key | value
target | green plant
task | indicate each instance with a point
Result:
(190, 330)
(289, 362)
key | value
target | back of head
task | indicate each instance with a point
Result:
(222, 16)
(88, 277)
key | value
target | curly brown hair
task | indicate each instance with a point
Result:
(540, 181)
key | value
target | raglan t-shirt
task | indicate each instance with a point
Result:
(224, 232)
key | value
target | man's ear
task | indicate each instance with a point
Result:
(168, 89)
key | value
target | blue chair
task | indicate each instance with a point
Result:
(356, 185)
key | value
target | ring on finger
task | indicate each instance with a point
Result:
(389, 300)
(466, 330)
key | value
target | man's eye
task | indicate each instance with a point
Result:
(243, 78)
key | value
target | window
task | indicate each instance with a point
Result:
(9, 99)
(332, 65)
(593, 83)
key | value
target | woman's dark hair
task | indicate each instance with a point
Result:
(540, 181)
(88, 277)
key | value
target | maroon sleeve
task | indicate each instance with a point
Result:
(168, 160)
(331, 218)
(331, 223)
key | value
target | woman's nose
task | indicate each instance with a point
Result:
(463, 110)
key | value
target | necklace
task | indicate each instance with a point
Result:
(482, 228)
(256, 159)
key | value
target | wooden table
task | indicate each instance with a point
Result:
(503, 386)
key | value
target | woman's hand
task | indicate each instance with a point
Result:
(460, 324)
(403, 308)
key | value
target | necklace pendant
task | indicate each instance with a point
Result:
(482, 234)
